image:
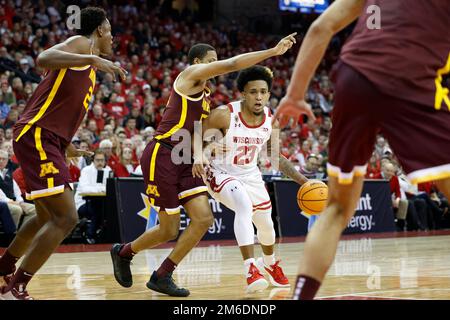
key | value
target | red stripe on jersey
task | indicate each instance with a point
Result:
(224, 182)
(230, 106)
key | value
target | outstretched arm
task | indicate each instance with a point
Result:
(72, 53)
(339, 15)
(206, 71)
(66, 55)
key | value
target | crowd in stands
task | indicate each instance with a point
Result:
(153, 48)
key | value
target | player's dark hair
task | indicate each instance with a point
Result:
(90, 19)
(199, 50)
(252, 74)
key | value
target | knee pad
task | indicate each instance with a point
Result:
(264, 225)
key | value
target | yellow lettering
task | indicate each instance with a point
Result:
(88, 96)
(442, 92)
(152, 189)
(206, 109)
(48, 168)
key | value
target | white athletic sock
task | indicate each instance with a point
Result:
(269, 260)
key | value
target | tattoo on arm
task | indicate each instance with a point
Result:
(287, 168)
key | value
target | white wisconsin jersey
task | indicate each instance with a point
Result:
(244, 143)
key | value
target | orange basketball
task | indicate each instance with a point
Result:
(312, 196)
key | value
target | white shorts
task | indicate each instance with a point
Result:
(253, 184)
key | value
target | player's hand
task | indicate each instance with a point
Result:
(72, 152)
(79, 153)
(285, 44)
(109, 67)
(292, 109)
(198, 170)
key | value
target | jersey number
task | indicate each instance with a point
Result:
(88, 96)
(245, 155)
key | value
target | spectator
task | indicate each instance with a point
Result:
(125, 166)
(27, 73)
(399, 205)
(92, 181)
(9, 226)
(8, 95)
(4, 109)
(11, 194)
(85, 160)
(97, 115)
(416, 218)
(374, 167)
(311, 168)
(130, 127)
(20, 180)
(136, 114)
(303, 153)
(106, 146)
(8, 148)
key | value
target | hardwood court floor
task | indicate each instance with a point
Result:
(413, 267)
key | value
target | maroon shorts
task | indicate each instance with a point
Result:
(41, 155)
(417, 134)
(168, 185)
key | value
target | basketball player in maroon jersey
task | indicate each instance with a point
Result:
(42, 140)
(389, 80)
(169, 185)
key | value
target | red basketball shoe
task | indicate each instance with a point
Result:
(17, 292)
(255, 280)
(276, 274)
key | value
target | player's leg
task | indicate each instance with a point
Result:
(356, 117)
(22, 240)
(265, 231)
(63, 218)
(199, 212)
(233, 194)
(322, 240)
(167, 229)
(47, 177)
(160, 177)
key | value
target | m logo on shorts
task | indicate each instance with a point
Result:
(48, 168)
(152, 189)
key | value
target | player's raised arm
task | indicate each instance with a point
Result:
(339, 15)
(206, 71)
(66, 55)
(78, 51)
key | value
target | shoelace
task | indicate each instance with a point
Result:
(254, 270)
(277, 269)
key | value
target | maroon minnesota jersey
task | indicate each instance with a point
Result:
(408, 56)
(181, 112)
(59, 102)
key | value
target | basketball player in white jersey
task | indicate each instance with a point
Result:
(235, 180)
